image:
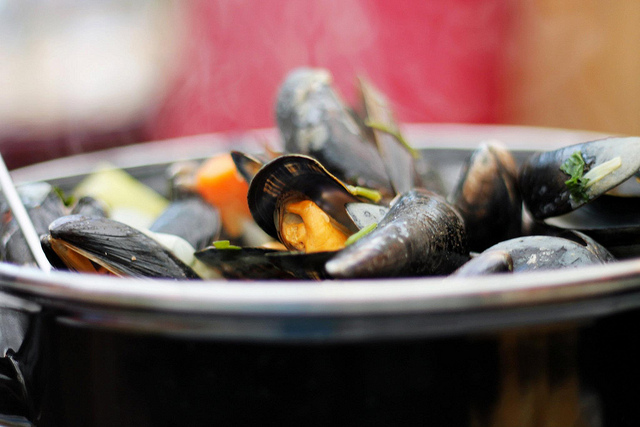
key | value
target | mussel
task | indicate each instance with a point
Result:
(579, 187)
(102, 245)
(251, 263)
(421, 234)
(192, 219)
(296, 200)
(314, 121)
(43, 205)
(488, 198)
(397, 156)
(556, 182)
(489, 262)
(530, 253)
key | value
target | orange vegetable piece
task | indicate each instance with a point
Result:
(219, 183)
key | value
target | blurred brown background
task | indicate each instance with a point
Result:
(80, 76)
(573, 64)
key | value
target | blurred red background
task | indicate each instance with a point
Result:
(436, 60)
(141, 70)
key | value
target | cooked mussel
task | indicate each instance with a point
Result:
(251, 263)
(43, 204)
(296, 200)
(246, 164)
(192, 218)
(531, 253)
(102, 245)
(314, 121)
(556, 182)
(488, 262)
(488, 198)
(421, 234)
(397, 156)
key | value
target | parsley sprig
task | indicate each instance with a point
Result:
(577, 184)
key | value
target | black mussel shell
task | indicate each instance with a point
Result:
(313, 120)
(542, 182)
(420, 235)
(488, 198)
(248, 263)
(244, 263)
(302, 265)
(612, 221)
(246, 164)
(193, 219)
(398, 160)
(301, 174)
(117, 247)
(43, 204)
(531, 253)
(90, 206)
(488, 262)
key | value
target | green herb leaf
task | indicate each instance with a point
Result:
(577, 184)
(361, 233)
(66, 200)
(367, 193)
(396, 134)
(224, 244)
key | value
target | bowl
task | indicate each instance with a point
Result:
(551, 346)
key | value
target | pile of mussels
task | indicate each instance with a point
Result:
(349, 199)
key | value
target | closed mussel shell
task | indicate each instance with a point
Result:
(313, 120)
(302, 175)
(543, 183)
(530, 253)
(488, 198)
(420, 235)
(488, 262)
(193, 219)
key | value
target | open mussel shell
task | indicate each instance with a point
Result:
(246, 164)
(104, 244)
(296, 175)
(420, 235)
(313, 120)
(542, 182)
(487, 196)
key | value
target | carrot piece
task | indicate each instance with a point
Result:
(219, 183)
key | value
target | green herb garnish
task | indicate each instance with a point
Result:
(367, 193)
(66, 200)
(577, 183)
(224, 244)
(396, 134)
(361, 233)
